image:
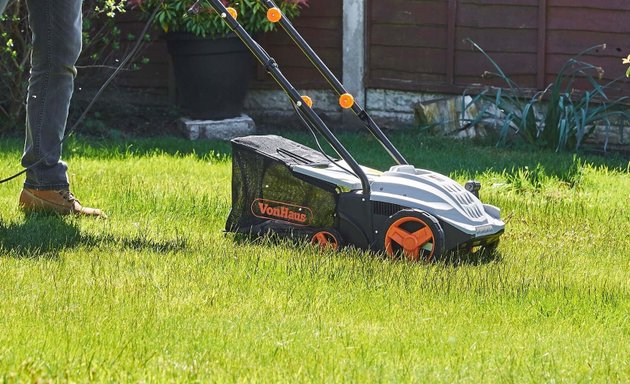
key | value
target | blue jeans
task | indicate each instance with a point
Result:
(56, 27)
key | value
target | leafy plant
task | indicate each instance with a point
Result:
(626, 60)
(101, 39)
(173, 16)
(558, 117)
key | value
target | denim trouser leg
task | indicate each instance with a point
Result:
(3, 4)
(56, 27)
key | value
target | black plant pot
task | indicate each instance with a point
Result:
(211, 75)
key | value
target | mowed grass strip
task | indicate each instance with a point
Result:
(159, 293)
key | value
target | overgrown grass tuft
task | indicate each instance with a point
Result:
(159, 293)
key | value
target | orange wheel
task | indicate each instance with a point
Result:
(326, 239)
(413, 234)
(274, 15)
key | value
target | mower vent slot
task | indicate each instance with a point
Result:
(294, 156)
(386, 209)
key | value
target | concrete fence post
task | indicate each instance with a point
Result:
(354, 48)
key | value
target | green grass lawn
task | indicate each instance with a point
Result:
(159, 293)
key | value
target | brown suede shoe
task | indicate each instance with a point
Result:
(60, 201)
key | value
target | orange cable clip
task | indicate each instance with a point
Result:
(308, 101)
(346, 101)
(274, 15)
(232, 12)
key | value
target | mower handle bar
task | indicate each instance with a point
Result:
(336, 85)
(272, 68)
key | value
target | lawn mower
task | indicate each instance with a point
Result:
(283, 187)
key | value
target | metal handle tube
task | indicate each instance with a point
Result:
(272, 68)
(337, 85)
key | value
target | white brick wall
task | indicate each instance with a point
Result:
(391, 109)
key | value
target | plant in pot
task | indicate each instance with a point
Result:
(213, 68)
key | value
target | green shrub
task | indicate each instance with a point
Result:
(173, 16)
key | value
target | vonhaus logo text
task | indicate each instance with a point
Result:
(269, 209)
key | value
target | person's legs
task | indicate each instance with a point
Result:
(57, 32)
(56, 29)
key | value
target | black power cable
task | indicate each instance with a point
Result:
(74, 127)
(321, 150)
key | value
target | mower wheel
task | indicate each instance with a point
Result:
(327, 238)
(413, 234)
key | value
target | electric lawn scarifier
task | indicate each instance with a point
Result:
(283, 187)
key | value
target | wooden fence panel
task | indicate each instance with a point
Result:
(321, 26)
(573, 26)
(420, 45)
(506, 30)
(407, 43)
